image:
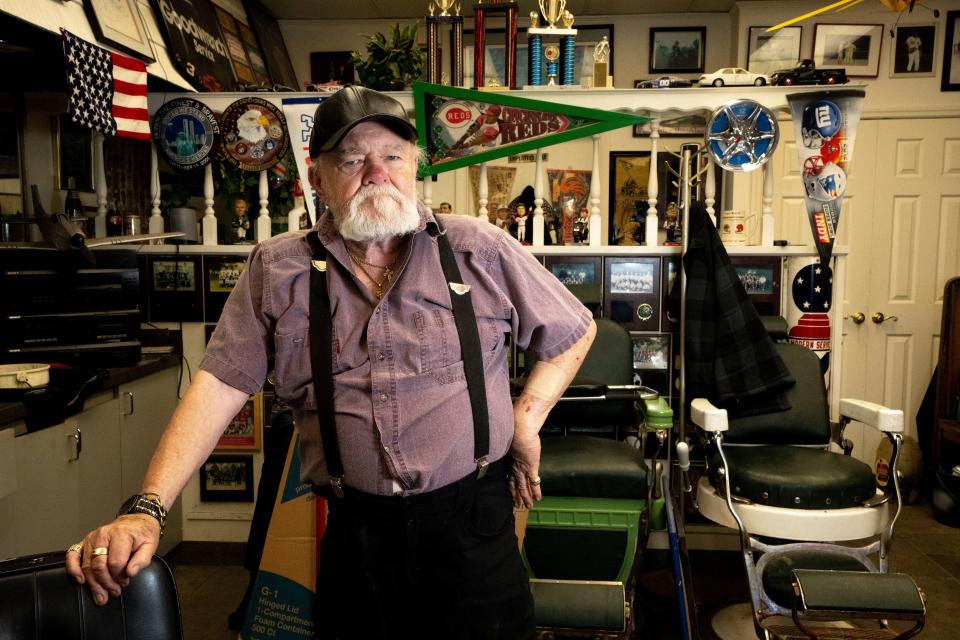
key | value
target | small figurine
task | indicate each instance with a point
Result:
(601, 52)
(446, 207)
(581, 226)
(522, 226)
(534, 20)
(240, 222)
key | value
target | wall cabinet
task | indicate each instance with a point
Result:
(72, 477)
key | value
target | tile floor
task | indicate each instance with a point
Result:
(924, 548)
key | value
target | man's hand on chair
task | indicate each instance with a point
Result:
(109, 556)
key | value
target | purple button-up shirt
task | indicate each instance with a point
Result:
(404, 421)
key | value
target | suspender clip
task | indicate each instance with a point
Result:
(482, 464)
(337, 485)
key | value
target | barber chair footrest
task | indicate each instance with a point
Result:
(580, 605)
(853, 596)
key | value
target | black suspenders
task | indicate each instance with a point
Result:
(321, 356)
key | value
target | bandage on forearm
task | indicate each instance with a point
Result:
(546, 382)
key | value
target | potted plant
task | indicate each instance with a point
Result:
(390, 65)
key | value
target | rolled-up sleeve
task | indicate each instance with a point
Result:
(547, 318)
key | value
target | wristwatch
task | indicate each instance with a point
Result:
(148, 503)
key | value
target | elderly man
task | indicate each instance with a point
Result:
(385, 327)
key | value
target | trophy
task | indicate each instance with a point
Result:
(553, 11)
(443, 16)
(480, 10)
(601, 64)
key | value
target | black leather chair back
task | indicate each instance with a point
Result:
(808, 419)
(39, 601)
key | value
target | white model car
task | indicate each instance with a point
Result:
(733, 76)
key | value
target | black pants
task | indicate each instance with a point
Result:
(444, 564)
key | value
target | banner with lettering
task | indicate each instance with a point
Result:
(826, 128)
(299, 115)
(462, 127)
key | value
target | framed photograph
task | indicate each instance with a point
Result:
(769, 52)
(677, 49)
(914, 51)
(950, 78)
(174, 275)
(331, 66)
(576, 270)
(855, 47)
(272, 45)
(245, 431)
(651, 351)
(118, 24)
(632, 292)
(760, 277)
(690, 125)
(494, 66)
(226, 478)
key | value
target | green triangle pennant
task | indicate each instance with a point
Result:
(462, 127)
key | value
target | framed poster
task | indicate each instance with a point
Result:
(855, 47)
(118, 24)
(769, 52)
(677, 49)
(588, 36)
(914, 51)
(950, 72)
(238, 54)
(252, 48)
(227, 478)
(272, 45)
(627, 208)
(245, 431)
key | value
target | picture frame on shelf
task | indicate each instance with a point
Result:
(331, 66)
(651, 351)
(245, 430)
(915, 51)
(72, 153)
(587, 38)
(688, 125)
(855, 47)
(950, 70)
(118, 24)
(769, 52)
(629, 178)
(227, 478)
(677, 49)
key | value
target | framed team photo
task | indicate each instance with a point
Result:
(245, 430)
(227, 478)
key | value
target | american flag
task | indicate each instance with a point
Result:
(108, 91)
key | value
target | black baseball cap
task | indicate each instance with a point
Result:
(341, 112)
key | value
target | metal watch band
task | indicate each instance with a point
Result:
(147, 505)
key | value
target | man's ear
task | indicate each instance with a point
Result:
(313, 176)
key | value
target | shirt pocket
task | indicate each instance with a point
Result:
(291, 362)
(439, 341)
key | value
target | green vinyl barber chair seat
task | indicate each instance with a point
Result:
(584, 540)
(815, 531)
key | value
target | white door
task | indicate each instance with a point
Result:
(915, 249)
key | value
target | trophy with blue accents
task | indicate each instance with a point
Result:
(551, 64)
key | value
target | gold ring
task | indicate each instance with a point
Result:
(75, 547)
(535, 482)
(99, 551)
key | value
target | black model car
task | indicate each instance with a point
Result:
(806, 72)
(662, 82)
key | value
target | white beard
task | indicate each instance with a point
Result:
(376, 212)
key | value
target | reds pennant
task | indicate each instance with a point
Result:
(463, 127)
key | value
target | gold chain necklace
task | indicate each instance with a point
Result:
(388, 272)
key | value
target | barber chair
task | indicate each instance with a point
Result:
(815, 532)
(584, 540)
(39, 601)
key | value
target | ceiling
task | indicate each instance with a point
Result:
(390, 9)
